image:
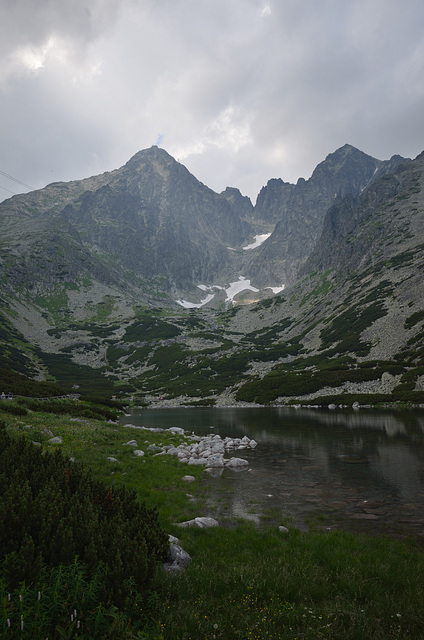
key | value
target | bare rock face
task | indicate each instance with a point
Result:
(298, 210)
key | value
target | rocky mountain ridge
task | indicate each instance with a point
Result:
(77, 300)
(152, 228)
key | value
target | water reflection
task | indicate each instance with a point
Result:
(359, 469)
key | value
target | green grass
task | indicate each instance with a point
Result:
(264, 584)
(244, 581)
(157, 480)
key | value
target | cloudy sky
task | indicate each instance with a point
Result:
(239, 91)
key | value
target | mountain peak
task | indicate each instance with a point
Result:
(151, 154)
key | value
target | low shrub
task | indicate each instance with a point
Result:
(53, 511)
(12, 408)
(71, 407)
(18, 384)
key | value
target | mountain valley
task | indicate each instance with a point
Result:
(144, 283)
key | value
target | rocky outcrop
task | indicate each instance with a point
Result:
(355, 228)
(298, 210)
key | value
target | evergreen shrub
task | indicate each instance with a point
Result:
(53, 511)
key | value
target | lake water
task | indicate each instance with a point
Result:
(358, 470)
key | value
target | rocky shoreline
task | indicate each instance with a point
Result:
(207, 451)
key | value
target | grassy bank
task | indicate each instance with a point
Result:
(242, 582)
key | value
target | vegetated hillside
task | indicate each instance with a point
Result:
(358, 308)
(352, 324)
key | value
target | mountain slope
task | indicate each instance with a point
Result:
(80, 307)
(298, 210)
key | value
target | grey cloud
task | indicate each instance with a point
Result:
(242, 91)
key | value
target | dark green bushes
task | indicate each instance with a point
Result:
(18, 384)
(413, 319)
(12, 408)
(104, 402)
(146, 329)
(281, 382)
(53, 511)
(71, 407)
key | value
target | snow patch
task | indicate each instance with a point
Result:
(242, 284)
(276, 289)
(203, 287)
(193, 305)
(236, 287)
(257, 241)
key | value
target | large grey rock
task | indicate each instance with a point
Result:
(198, 461)
(200, 523)
(236, 463)
(177, 559)
(56, 440)
(176, 430)
(216, 460)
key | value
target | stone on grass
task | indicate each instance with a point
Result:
(56, 440)
(283, 529)
(188, 478)
(153, 447)
(138, 452)
(112, 459)
(131, 443)
(200, 523)
(177, 559)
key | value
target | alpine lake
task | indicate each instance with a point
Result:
(358, 470)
